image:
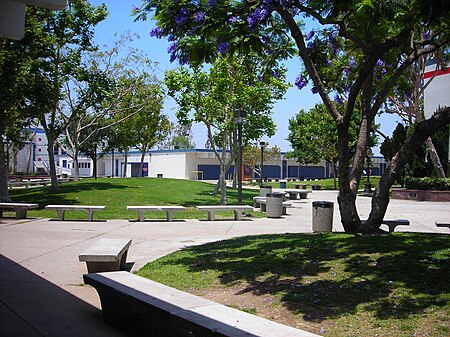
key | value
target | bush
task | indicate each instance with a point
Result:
(440, 184)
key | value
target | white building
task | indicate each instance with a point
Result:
(197, 164)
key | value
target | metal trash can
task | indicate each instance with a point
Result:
(282, 183)
(322, 216)
(263, 190)
(274, 205)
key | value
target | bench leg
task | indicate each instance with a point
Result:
(391, 227)
(169, 215)
(211, 215)
(21, 212)
(284, 212)
(90, 215)
(237, 215)
(263, 207)
(99, 267)
(123, 260)
(60, 213)
(141, 215)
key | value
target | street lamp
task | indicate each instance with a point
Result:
(239, 118)
(367, 185)
(262, 144)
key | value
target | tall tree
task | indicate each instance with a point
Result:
(213, 97)
(114, 83)
(57, 43)
(360, 48)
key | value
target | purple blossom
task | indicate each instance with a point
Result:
(233, 19)
(171, 38)
(172, 48)
(309, 36)
(182, 17)
(314, 90)
(425, 35)
(380, 63)
(173, 57)
(329, 63)
(199, 17)
(338, 100)
(211, 3)
(184, 60)
(352, 62)
(275, 73)
(157, 32)
(223, 48)
(310, 46)
(300, 82)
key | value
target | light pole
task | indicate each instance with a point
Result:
(239, 118)
(262, 161)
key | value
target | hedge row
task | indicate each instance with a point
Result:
(440, 184)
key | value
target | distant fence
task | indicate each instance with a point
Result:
(195, 175)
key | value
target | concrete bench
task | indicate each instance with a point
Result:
(61, 209)
(168, 209)
(393, 223)
(106, 255)
(160, 311)
(297, 194)
(20, 208)
(237, 209)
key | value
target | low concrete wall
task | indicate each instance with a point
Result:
(420, 195)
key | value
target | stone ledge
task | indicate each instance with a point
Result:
(420, 195)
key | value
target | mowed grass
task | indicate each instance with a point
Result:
(330, 284)
(116, 194)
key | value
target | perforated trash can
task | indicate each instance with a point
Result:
(322, 216)
(263, 190)
(274, 205)
(282, 183)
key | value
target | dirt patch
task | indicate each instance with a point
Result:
(263, 305)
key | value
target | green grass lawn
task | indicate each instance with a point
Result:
(118, 193)
(331, 284)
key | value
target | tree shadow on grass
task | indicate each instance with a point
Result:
(328, 276)
(45, 196)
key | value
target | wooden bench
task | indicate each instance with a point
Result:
(237, 209)
(168, 209)
(61, 209)
(106, 255)
(393, 223)
(20, 208)
(161, 311)
(298, 194)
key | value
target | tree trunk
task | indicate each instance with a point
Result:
(347, 197)
(141, 165)
(51, 158)
(223, 182)
(76, 165)
(3, 173)
(438, 168)
(380, 198)
(227, 166)
(125, 164)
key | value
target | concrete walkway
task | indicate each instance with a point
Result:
(41, 287)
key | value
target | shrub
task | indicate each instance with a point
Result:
(440, 184)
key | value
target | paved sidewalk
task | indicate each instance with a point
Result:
(41, 287)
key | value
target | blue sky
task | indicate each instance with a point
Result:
(119, 21)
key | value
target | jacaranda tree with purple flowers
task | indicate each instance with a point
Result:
(359, 52)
